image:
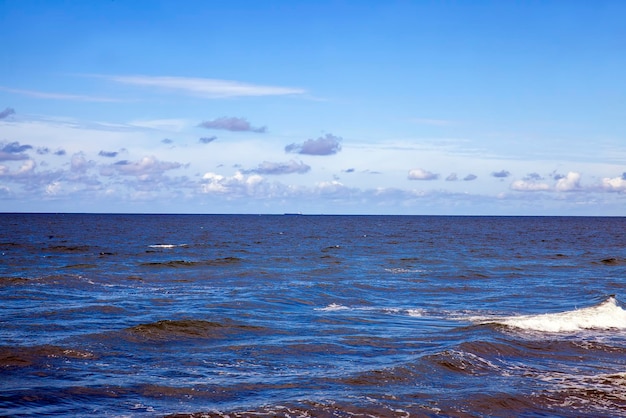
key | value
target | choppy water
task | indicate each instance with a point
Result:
(391, 316)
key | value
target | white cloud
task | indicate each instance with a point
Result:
(568, 183)
(529, 186)
(205, 87)
(616, 184)
(421, 174)
(237, 185)
(59, 96)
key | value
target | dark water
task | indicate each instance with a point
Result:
(312, 316)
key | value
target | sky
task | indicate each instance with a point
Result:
(315, 107)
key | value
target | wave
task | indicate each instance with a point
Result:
(166, 330)
(185, 263)
(607, 315)
(20, 356)
(167, 245)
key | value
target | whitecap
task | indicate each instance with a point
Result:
(604, 316)
(167, 245)
(333, 307)
(415, 312)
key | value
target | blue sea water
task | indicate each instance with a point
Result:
(311, 316)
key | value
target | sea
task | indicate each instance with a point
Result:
(131, 315)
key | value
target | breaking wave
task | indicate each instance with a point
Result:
(604, 316)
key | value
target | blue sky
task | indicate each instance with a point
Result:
(356, 107)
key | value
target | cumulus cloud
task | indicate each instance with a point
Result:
(470, 177)
(501, 174)
(533, 182)
(452, 177)
(326, 145)
(108, 154)
(233, 124)
(79, 164)
(207, 139)
(421, 174)
(615, 184)
(569, 182)
(7, 112)
(237, 185)
(290, 167)
(13, 151)
(167, 141)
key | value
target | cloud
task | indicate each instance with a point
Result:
(239, 185)
(207, 139)
(205, 87)
(290, 167)
(326, 145)
(79, 164)
(143, 169)
(533, 177)
(59, 96)
(452, 177)
(59, 152)
(616, 184)
(7, 112)
(421, 174)
(533, 183)
(232, 124)
(500, 174)
(470, 177)
(108, 154)
(529, 186)
(167, 141)
(13, 151)
(569, 182)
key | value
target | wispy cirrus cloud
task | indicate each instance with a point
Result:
(233, 124)
(204, 87)
(59, 96)
(326, 145)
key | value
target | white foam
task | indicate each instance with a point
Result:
(415, 312)
(333, 307)
(607, 315)
(167, 245)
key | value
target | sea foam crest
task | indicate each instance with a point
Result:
(167, 245)
(604, 316)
